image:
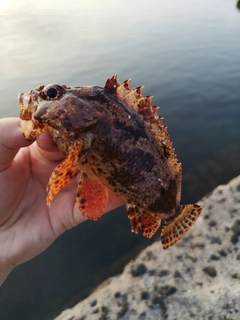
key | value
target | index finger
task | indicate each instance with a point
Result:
(11, 140)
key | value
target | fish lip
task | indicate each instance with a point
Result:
(25, 107)
(29, 104)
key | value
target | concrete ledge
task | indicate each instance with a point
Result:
(198, 278)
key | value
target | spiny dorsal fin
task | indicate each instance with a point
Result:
(134, 98)
(142, 105)
(112, 84)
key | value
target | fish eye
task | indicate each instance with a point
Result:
(52, 92)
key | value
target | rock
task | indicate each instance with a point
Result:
(158, 301)
(214, 257)
(210, 271)
(139, 269)
(236, 227)
(223, 253)
(93, 303)
(163, 273)
(177, 274)
(216, 240)
(144, 295)
(234, 238)
(190, 278)
(236, 231)
(166, 290)
(212, 223)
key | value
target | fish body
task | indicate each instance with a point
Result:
(113, 136)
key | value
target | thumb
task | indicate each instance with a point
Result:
(11, 140)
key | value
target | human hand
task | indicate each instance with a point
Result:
(27, 225)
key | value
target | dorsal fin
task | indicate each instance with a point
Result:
(142, 105)
(112, 84)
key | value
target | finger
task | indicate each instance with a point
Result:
(11, 140)
(48, 148)
(46, 143)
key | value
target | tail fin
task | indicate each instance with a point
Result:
(174, 231)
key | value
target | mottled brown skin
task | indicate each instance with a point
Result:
(124, 147)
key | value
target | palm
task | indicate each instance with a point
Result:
(27, 225)
(26, 215)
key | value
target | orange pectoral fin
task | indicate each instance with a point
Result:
(63, 173)
(146, 221)
(92, 198)
(173, 232)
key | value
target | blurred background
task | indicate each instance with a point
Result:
(185, 53)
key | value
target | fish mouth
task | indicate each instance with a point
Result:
(29, 103)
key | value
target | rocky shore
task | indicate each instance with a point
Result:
(198, 278)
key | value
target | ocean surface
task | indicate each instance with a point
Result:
(185, 53)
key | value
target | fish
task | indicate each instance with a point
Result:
(114, 137)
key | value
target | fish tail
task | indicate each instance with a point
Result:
(175, 230)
